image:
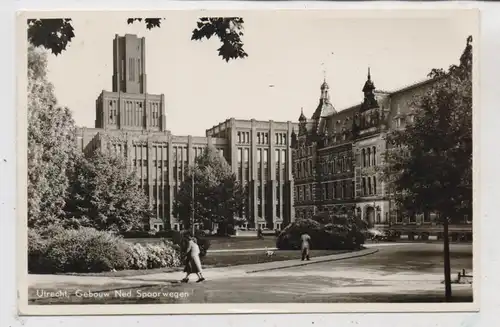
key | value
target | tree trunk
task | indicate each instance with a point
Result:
(447, 268)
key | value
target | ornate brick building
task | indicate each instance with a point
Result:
(131, 122)
(336, 155)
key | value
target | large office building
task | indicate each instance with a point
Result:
(337, 154)
(131, 122)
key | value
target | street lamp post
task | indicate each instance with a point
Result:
(192, 203)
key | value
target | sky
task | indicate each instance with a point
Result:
(291, 50)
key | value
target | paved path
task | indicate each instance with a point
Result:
(395, 273)
(168, 277)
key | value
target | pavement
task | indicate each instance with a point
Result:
(387, 272)
(55, 281)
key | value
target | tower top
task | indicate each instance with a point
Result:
(369, 86)
(129, 64)
(302, 117)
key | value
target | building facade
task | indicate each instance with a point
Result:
(337, 156)
(132, 123)
(260, 155)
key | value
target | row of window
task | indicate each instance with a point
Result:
(262, 138)
(400, 121)
(304, 169)
(368, 185)
(243, 137)
(333, 138)
(281, 138)
(279, 201)
(302, 152)
(134, 113)
(262, 155)
(369, 157)
(336, 165)
(304, 192)
(338, 190)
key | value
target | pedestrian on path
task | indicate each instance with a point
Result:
(305, 246)
(192, 261)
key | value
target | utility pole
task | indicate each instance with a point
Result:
(192, 203)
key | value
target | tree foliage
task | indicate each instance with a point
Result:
(56, 34)
(106, 195)
(229, 30)
(51, 145)
(429, 163)
(219, 197)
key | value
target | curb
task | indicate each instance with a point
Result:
(240, 250)
(320, 260)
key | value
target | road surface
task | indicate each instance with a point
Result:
(410, 272)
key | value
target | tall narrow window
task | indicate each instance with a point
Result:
(246, 156)
(353, 190)
(369, 185)
(131, 69)
(374, 185)
(138, 68)
(368, 155)
(239, 154)
(122, 70)
(363, 186)
(363, 155)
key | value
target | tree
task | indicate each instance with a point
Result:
(106, 195)
(429, 164)
(218, 196)
(51, 145)
(56, 34)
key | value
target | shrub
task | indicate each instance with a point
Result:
(343, 233)
(89, 250)
(36, 250)
(150, 256)
(137, 257)
(84, 250)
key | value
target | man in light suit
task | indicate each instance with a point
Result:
(305, 246)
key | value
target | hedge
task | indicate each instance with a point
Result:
(89, 250)
(346, 233)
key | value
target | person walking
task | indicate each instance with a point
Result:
(192, 260)
(305, 246)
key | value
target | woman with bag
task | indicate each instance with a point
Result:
(192, 260)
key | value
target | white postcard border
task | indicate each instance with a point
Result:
(25, 309)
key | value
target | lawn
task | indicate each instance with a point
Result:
(219, 259)
(226, 259)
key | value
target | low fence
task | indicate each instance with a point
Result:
(457, 233)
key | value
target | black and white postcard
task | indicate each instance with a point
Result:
(273, 161)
